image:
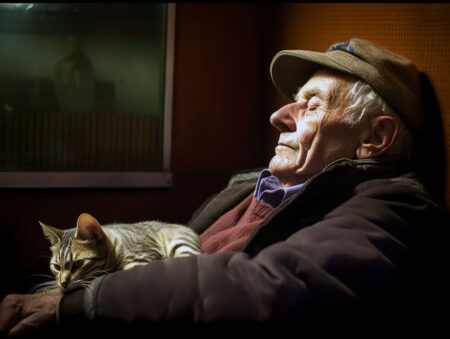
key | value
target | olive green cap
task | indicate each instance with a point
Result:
(393, 77)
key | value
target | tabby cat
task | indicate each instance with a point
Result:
(80, 254)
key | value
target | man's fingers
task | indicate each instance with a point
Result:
(22, 315)
(27, 326)
(10, 310)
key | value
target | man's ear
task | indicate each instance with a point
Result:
(381, 133)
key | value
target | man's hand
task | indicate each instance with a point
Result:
(25, 314)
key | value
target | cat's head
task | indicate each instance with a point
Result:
(78, 254)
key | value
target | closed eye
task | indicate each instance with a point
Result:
(77, 264)
(56, 267)
(313, 103)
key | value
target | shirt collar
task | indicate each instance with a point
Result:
(270, 191)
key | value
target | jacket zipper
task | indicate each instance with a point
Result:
(307, 181)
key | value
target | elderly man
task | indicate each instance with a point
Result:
(336, 223)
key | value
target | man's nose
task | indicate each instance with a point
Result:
(285, 119)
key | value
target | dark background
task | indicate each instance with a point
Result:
(223, 97)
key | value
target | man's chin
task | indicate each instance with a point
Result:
(281, 166)
(274, 165)
(287, 176)
(277, 169)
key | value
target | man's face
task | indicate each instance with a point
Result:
(312, 134)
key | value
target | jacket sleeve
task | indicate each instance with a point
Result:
(357, 252)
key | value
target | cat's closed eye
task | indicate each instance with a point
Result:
(56, 267)
(77, 264)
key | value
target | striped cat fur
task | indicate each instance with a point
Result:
(80, 254)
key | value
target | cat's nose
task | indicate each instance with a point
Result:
(64, 284)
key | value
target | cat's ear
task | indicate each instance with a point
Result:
(54, 235)
(88, 228)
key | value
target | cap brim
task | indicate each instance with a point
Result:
(291, 69)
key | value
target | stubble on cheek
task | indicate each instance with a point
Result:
(305, 141)
(291, 159)
(306, 135)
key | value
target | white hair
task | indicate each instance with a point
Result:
(361, 103)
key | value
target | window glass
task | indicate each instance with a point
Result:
(82, 87)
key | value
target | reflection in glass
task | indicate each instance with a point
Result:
(82, 87)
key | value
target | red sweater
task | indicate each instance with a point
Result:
(231, 230)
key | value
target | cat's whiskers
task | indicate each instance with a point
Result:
(89, 278)
(99, 273)
(39, 275)
(43, 286)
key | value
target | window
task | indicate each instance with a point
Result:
(85, 94)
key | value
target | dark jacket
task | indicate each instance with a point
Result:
(355, 240)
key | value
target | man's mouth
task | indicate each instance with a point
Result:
(287, 145)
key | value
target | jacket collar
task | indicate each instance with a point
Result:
(323, 192)
(354, 171)
(372, 167)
